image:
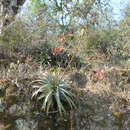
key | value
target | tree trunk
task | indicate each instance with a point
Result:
(1, 16)
(8, 11)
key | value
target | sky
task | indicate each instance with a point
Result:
(118, 5)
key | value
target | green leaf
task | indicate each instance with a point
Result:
(59, 104)
(49, 104)
(46, 99)
(69, 93)
(69, 100)
(42, 96)
(63, 85)
(52, 86)
(44, 87)
(36, 92)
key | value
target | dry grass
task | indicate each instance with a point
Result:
(102, 99)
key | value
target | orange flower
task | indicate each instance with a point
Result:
(59, 42)
(61, 36)
(57, 50)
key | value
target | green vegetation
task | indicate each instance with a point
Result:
(64, 48)
(53, 90)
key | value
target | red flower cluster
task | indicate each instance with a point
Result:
(59, 42)
(61, 39)
(58, 50)
(61, 36)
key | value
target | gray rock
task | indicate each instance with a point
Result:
(18, 110)
(22, 124)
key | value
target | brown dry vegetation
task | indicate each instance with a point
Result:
(95, 62)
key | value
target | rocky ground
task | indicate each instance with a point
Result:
(102, 104)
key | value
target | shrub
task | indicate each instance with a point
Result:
(15, 37)
(53, 91)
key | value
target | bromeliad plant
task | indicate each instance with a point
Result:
(54, 92)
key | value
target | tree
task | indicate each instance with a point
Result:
(124, 34)
(8, 11)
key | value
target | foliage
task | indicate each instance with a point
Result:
(53, 90)
(16, 37)
(65, 28)
(66, 35)
(122, 42)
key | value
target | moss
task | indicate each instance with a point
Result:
(46, 124)
(11, 99)
(102, 123)
(7, 127)
(118, 118)
(13, 86)
(2, 93)
(78, 91)
(117, 114)
(3, 62)
(11, 89)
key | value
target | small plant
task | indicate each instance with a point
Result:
(54, 92)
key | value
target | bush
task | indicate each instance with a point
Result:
(53, 91)
(15, 37)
